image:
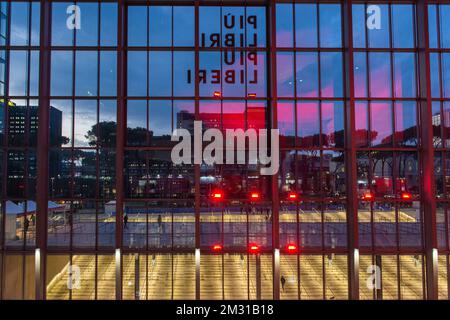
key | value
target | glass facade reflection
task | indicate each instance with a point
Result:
(93, 207)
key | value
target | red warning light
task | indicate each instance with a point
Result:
(217, 94)
(368, 196)
(291, 248)
(253, 248)
(292, 196)
(217, 247)
(252, 95)
(217, 195)
(406, 196)
(255, 196)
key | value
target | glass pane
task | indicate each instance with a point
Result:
(35, 23)
(311, 277)
(331, 78)
(306, 25)
(86, 73)
(85, 123)
(137, 73)
(359, 25)
(209, 74)
(61, 166)
(286, 123)
(444, 20)
(382, 182)
(85, 173)
(84, 225)
(432, 26)
(411, 277)
(307, 75)
(367, 278)
(183, 29)
(284, 25)
(108, 26)
(435, 75)
(402, 26)
(160, 276)
(330, 25)
(106, 277)
(235, 277)
(389, 277)
(61, 74)
(380, 74)
(87, 35)
(404, 75)
(405, 123)
(209, 26)
(379, 37)
(285, 74)
(211, 277)
(260, 266)
(361, 124)
(256, 27)
(336, 277)
(61, 34)
(160, 122)
(360, 74)
(183, 65)
(160, 26)
(18, 73)
(184, 278)
(61, 123)
(160, 73)
(446, 74)
(84, 267)
(137, 26)
(308, 124)
(20, 21)
(58, 280)
(332, 124)
(443, 280)
(13, 277)
(105, 211)
(108, 73)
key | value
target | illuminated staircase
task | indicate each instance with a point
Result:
(155, 277)
(183, 277)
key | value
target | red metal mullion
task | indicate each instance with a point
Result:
(273, 94)
(399, 291)
(446, 221)
(43, 145)
(197, 166)
(27, 118)
(447, 273)
(5, 146)
(426, 151)
(121, 125)
(146, 225)
(98, 146)
(351, 153)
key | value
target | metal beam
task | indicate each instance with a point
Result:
(43, 146)
(350, 156)
(426, 151)
(197, 166)
(121, 127)
(272, 33)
